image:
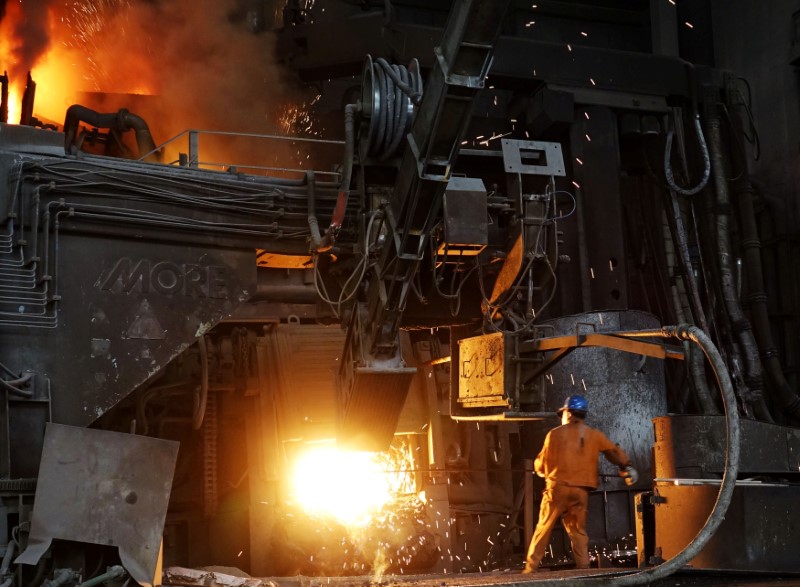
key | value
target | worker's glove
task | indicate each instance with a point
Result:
(630, 475)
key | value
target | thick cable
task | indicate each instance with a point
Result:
(398, 90)
(706, 161)
(730, 297)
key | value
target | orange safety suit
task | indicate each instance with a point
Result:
(568, 462)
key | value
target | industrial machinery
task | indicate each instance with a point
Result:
(504, 222)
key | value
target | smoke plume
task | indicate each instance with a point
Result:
(180, 64)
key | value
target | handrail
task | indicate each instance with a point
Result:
(193, 136)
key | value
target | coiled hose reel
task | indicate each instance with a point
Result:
(389, 94)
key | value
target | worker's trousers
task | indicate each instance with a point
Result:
(569, 503)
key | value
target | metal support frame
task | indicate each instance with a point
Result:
(462, 63)
(526, 360)
(563, 345)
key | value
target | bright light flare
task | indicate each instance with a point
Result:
(14, 105)
(350, 486)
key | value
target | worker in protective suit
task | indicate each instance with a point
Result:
(568, 462)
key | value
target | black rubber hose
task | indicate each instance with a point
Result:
(739, 323)
(706, 161)
(410, 90)
(786, 398)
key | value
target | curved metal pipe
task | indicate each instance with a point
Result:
(11, 386)
(121, 121)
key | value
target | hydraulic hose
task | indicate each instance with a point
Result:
(313, 223)
(785, 396)
(62, 577)
(114, 572)
(347, 175)
(706, 161)
(739, 323)
(717, 515)
(694, 359)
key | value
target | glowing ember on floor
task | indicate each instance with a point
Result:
(349, 486)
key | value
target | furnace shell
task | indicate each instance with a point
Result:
(625, 391)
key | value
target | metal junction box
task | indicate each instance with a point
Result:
(465, 217)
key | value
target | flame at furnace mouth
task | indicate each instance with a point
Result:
(350, 486)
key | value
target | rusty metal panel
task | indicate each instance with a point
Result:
(481, 379)
(760, 532)
(101, 487)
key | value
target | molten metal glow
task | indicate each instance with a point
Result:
(350, 486)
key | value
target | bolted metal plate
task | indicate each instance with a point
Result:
(103, 487)
(533, 157)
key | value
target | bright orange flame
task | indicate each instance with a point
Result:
(347, 485)
(72, 61)
(14, 105)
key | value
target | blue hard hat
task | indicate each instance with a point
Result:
(575, 403)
